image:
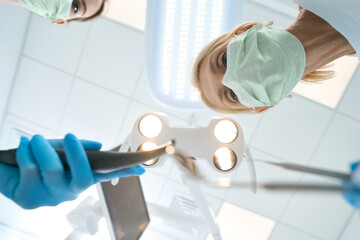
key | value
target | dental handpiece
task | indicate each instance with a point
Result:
(102, 161)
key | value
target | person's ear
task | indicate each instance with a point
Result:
(60, 21)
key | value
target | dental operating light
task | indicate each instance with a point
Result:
(176, 31)
(221, 143)
(202, 154)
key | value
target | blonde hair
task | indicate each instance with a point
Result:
(313, 77)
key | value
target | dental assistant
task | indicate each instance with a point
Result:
(40, 178)
(63, 11)
(255, 66)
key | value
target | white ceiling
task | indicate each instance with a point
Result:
(96, 73)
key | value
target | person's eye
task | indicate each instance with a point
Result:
(224, 59)
(75, 6)
(233, 95)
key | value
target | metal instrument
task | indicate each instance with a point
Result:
(102, 161)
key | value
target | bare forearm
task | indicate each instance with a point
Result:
(322, 43)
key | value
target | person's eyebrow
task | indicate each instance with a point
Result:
(84, 5)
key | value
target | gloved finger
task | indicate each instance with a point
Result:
(353, 198)
(29, 172)
(354, 165)
(87, 144)
(49, 164)
(9, 180)
(132, 171)
(81, 173)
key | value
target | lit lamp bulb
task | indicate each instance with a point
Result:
(224, 159)
(150, 126)
(226, 131)
(148, 146)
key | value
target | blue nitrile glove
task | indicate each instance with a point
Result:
(40, 179)
(353, 197)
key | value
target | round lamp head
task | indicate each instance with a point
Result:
(224, 159)
(150, 126)
(148, 146)
(226, 131)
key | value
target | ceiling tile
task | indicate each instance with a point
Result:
(112, 56)
(352, 230)
(339, 146)
(40, 93)
(349, 103)
(283, 232)
(293, 129)
(58, 46)
(265, 202)
(152, 185)
(94, 113)
(323, 215)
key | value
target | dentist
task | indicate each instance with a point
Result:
(255, 66)
(40, 179)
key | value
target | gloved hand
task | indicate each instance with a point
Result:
(40, 179)
(353, 197)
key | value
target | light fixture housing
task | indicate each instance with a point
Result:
(176, 31)
(197, 142)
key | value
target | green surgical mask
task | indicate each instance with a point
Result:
(49, 9)
(263, 66)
